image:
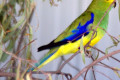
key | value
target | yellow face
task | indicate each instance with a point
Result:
(110, 1)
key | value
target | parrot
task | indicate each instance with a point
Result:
(82, 27)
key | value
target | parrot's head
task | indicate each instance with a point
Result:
(111, 1)
(106, 1)
(102, 5)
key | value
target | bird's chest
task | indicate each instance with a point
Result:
(73, 47)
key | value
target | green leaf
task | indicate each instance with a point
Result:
(31, 1)
(4, 18)
(18, 70)
(9, 48)
(30, 39)
(116, 72)
(119, 13)
(1, 37)
(4, 57)
(106, 51)
(119, 9)
(1, 5)
(10, 35)
(28, 76)
(50, 77)
(119, 37)
(20, 22)
(82, 50)
(1, 52)
(114, 41)
(6, 22)
(97, 56)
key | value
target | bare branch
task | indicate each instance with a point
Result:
(94, 63)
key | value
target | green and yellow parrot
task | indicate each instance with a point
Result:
(69, 40)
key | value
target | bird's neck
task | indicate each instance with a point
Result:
(100, 18)
(101, 13)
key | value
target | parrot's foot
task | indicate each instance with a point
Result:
(88, 53)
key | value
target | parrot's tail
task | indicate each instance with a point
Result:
(46, 59)
(52, 45)
(43, 48)
(48, 46)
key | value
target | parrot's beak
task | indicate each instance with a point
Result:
(114, 4)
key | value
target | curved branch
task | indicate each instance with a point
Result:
(95, 62)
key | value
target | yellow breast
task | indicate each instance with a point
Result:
(74, 47)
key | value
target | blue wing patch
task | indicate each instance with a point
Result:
(81, 30)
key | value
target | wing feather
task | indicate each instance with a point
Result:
(74, 32)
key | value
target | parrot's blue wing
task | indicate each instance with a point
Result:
(77, 33)
(80, 31)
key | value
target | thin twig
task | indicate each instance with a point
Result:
(74, 67)
(13, 55)
(94, 63)
(93, 73)
(103, 74)
(67, 75)
(7, 74)
(106, 66)
(86, 74)
(25, 46)
(93, 69)
(67, 61)
(105, 54)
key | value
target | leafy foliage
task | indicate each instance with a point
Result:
(119, 9)
(15, 17)
(16, 31)
(82, 50)
(13, 22)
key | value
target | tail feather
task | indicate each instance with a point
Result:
(46, 59)
(53, 45)
(48, 46)
(43, 48)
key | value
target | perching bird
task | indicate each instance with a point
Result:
(69, 41)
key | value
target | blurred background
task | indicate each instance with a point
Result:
(49, 21)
